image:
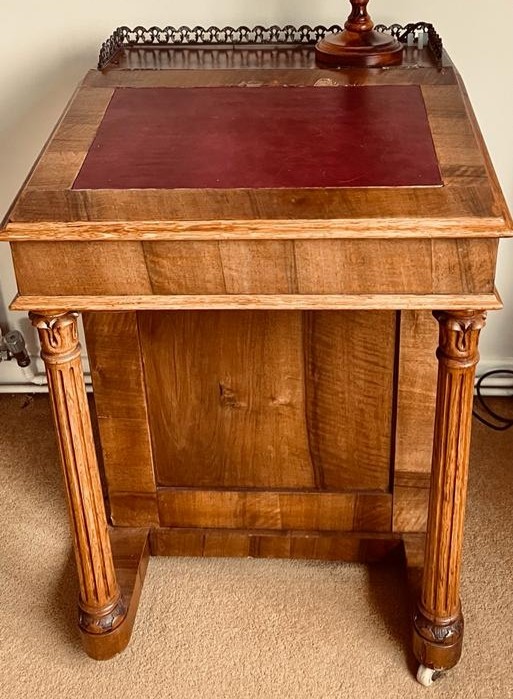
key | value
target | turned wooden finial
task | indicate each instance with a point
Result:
(359, 44)
(359, 20)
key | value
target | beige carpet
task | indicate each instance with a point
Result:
(239, 628)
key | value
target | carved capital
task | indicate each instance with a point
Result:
(459, 337)
(58, 335)
(447, 634)
(98, 621)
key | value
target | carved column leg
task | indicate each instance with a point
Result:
(101, 607)
(438, 621)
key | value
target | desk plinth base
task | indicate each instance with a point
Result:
(130, 552)
(132, 547)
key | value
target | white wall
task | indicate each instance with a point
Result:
(47, 46)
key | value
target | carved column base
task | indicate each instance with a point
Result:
(105, 620)
(437, 645)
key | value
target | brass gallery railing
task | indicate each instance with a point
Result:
(124, 37)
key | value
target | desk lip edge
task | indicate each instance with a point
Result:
(264, 229)
(343, 302)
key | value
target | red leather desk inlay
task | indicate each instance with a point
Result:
(266, 137)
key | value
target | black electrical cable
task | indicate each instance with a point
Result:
(504, 422)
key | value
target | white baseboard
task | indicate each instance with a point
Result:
(496, 385)
(12, 380)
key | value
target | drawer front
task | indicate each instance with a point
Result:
(288, 267)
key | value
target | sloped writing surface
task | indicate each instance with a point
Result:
(266, 137)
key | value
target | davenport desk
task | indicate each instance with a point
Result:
(257, 246)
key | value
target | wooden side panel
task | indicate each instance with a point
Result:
(417, 378)
(270, 400)
(409, 266)
(240, 267)
(417, 392)
(410, 508)
(244, 509)
(326, 546)
(181, 267)
(116, 367)
(349, 386)
(248, 266)
(133, 509)
(81, 268)
(226, 398)
(321, 266)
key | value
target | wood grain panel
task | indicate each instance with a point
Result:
(133, 509)
(226, 401)
(85, 268)
(127, 452)
(324, 547)
(116, 369)
(260, 544)
(350, 360)
(58, 170)
(183, 267)
(372, 266)
(443, 203)
(410, 509)
(415, 420)
(244, 509)
(66, 150)
(372, 515)
(231, 405)
(216, 267)
(258, 267)
(417, 392)
(452, 133)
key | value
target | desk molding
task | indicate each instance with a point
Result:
(261, 301)
(265, 229)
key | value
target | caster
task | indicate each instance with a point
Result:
(427, 675)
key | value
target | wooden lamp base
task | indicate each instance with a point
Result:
(359, 44)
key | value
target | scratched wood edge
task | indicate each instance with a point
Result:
(261, 301)
(260, 229)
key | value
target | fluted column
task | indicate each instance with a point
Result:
(438, 621)
(101, 607)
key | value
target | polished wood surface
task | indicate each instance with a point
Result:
(416, 392)
(264, 405)
(470, 190)
(263, 359)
